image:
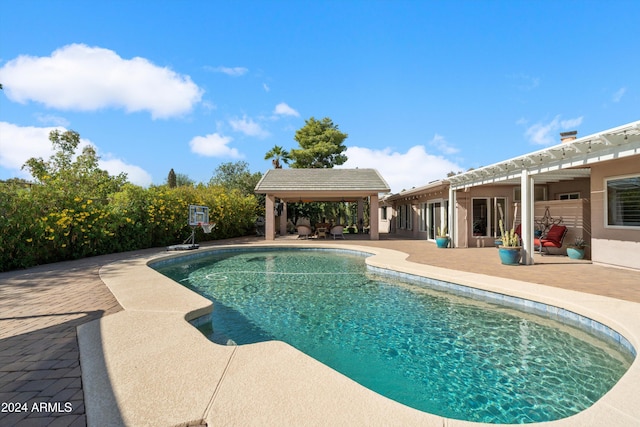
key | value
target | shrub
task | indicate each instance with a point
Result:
(41, 226)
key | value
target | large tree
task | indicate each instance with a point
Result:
(321, 145)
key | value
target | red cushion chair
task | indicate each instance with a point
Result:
(553, 238)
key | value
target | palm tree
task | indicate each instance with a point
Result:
(277, 154)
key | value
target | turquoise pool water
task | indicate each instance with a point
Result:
(434, 351)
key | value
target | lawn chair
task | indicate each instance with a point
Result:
(553, 238)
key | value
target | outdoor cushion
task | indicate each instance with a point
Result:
(555, 234)
(553, 238)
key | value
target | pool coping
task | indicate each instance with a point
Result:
(146, 365)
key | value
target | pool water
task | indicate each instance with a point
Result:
(434, 351)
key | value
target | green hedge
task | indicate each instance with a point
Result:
(41, 224)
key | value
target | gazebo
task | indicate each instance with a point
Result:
(320, 185)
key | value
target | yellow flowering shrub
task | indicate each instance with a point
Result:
(42, 224)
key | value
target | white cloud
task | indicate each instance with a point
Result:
(50, 119)
(82, 78)
(547, 133)
(248, 127)
(214, 145)
(18, 144)
(135, 174)
(283, 109)
(230, 71)
(442, 145)
(402, 171)
(617, 96)
(266, 87)
(208, 106)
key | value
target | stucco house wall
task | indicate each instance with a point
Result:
(613, 245)
(582, 186)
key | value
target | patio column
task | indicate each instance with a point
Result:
(360, 220)
(283, 218)
(373, 218)
(270, 219)
(528, 201)
(451, 217)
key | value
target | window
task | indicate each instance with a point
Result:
(569, 196)
(422, 217)
(407, 220)
(623, 201)
(383, 213)
(480, 217)
(403, 221)
(486, 213)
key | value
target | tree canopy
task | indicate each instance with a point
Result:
(171, 179)
(236, 176)
(82, 173)
(321, 145)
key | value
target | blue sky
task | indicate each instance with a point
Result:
(420, 87)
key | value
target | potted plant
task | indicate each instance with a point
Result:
(576, 251)
(509, 250)
(442, 240)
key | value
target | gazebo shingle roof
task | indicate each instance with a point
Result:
(322, 180)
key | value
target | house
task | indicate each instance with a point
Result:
(590, 184)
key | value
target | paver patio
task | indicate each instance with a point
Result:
(41, 307)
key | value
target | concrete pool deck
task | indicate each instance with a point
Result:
(145, 365)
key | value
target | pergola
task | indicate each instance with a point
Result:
(320, 185)
(564, 161)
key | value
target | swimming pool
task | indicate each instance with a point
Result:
(435, 351)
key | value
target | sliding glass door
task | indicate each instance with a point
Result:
(436, 217)
(486, 214)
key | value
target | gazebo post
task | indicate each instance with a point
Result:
(283, 218)
(270, 219)
(373, 217)
(360, 215)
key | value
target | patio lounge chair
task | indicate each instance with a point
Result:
(336, 231)
(553, 238)
(304, 231)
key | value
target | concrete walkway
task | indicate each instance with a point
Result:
(41, 307)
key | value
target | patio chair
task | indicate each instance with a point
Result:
(336, 231)
(304, 231)
(553, 238)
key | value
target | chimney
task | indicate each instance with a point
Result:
(568, 136)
